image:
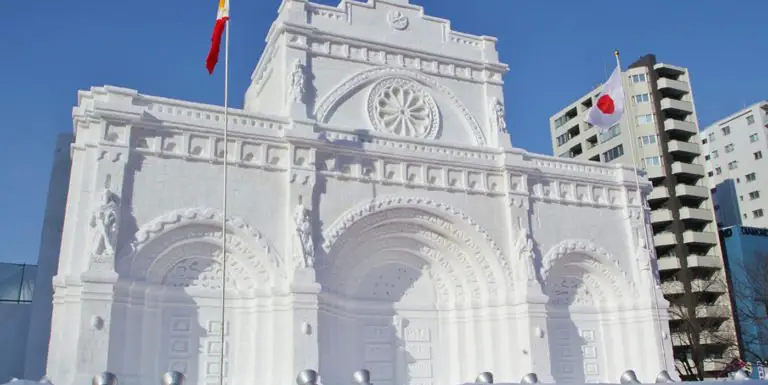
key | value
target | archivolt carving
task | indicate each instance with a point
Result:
(206, 273)
(384, 205)
(331, 100)
(599, 268)
(204, 226)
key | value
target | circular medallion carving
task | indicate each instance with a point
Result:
(401, 107)
(397, 20)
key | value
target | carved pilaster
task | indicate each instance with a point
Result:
(303, 224)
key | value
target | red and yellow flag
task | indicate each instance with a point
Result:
(221, 22)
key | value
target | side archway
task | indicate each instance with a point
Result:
(183, 248)
(582, 273)
(333, 99)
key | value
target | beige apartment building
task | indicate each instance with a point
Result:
(660, 127)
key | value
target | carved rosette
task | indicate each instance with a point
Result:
(401, 107)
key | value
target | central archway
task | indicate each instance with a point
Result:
(394, 277)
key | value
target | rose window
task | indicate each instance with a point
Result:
(401, 107)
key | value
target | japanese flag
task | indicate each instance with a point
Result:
(609, 107)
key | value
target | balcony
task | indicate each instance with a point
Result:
(700, 238)
(704, 261)
(688, 170)
(674, 125)
(655, 173)
(661, 216)
(678, 106)
(705, 338)
(658, 194)
(664, 239)
(703, 311)
(674, 86)
(696, 215)
(686, 148)
(697, 286)
(688, 191)
(669, 263)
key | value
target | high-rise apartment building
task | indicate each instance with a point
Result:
(736, 155)
(659, 127)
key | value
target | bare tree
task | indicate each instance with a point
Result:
(749, 285)
(693, 329)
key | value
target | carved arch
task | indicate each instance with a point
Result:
(611, 282)
(438, 226)
(159, 246)
(332, 100)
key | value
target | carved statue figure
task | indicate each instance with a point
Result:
(297, 81)
(104, 221)
(498, 112)
(524, 248)
(304, 246)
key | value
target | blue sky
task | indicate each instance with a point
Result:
(557, 50)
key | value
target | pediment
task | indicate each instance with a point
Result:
(400, 102)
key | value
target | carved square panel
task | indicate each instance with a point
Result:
(219, 146)
(213, 348)
(214, 328)
(582, 193)
(589, 351)
(369, 168)
(144, 139)
(494, 182)
(413, 173)
(614, 197)
(172, 144)
(392, 171)
(213, 368)
(566, 368)
(516, 183)
(591, 369)
(198, 146)
(455, 179)
(419, 350)
(434, 176)
(275, 156)
(379, 333)
(251, 153)
(565, 190)
(179, 346)
(588, 335)
(116, 133)
(380, 371)
(378, 352)
(598, 195)
(181, 325)
(475, 180)
(301, 156)
(421, 368)
(415, 334)
(181, 366)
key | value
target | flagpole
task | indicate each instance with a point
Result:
(632, 120)
(224, 206)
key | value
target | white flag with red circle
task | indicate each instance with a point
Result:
(609, 106)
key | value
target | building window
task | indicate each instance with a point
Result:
(754, 195)
(710, 173)
(647, 139)
(757, 213)
(706, 157)
(714, 154)
(729, 148)
(751, 119)
(751, 177)
(642, 98)
(733, 165)
(645, 119)
(613, 153)
(562, 139)
(754, 138)
(718, 170)
(561, 120)
(639, 78)
(726, 131)
(610, 133)
(652, 161)
(758, 155)
(711, 136)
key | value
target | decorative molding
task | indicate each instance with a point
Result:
(337, 95)
(596, 261)
(401, 107)
(479, 246)
(132, 261)
(397, 20)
